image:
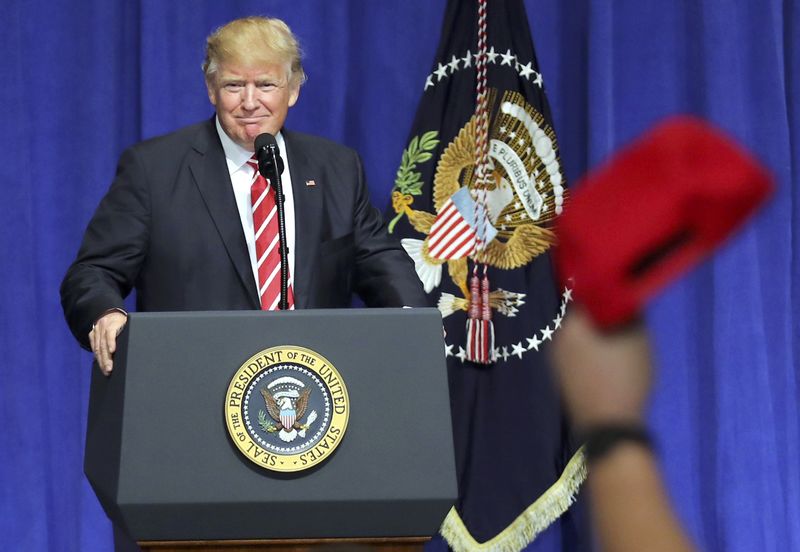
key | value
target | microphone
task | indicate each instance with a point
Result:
(270, 165)
(269, 155)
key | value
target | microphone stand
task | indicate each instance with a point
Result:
(275, 166)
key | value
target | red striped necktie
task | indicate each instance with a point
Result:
(265, 225)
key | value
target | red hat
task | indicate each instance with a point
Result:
(651, 212)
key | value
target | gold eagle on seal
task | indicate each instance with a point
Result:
(526, 192)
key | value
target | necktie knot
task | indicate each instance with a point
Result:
(259, 183)
(253, 163)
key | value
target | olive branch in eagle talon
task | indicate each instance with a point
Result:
(264, 423)
(408, 182)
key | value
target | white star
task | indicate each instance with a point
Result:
(512, 134)
(567, 295)
(507, 57)
(525, 70)
(467, 59)
(509, 218)
(547, 333)
(428, 82)
(518, 349)
(538, 79)
(453, 64)
(461, 354)
(495, 352)
(563, 309)
(517, 205)
(528, 151)
(534, 342)
(448, 350)
(441, 72)
(503, 227)
(557, 321)
(521, 142)
(505, 353)
(492, 55)
(503, 129)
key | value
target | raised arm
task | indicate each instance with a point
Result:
(605, 380)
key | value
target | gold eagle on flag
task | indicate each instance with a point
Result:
(525, 193)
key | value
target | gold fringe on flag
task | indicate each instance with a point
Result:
(536, 518)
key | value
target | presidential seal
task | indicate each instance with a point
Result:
(287, 408)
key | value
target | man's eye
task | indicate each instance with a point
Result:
(267, 86)
(233, 86)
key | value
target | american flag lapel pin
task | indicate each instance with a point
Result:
(310, 183)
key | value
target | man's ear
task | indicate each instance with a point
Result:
(294, 93)
(212, 91)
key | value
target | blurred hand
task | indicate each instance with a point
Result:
(103, 339)
(605, 377)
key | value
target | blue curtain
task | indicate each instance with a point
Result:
(82, 80)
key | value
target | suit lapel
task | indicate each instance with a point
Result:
(307, 216)
(210, 172)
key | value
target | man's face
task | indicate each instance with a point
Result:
(251, 100)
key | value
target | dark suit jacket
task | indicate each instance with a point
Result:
(169, 227)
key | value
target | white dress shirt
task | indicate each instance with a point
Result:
(241, 176)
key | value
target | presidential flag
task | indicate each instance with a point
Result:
(479, 186)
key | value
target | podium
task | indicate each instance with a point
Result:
(167, 472)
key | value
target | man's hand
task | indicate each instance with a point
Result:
(604, 377)
(103, 339)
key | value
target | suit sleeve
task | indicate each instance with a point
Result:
(112, 251)
(385, 274)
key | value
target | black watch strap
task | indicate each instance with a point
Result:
(599, 440)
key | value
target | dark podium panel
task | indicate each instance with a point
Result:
(160, 460)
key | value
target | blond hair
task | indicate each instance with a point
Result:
(254, 40)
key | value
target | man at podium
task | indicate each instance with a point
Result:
(190, 223)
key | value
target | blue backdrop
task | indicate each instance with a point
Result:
(84, 79)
